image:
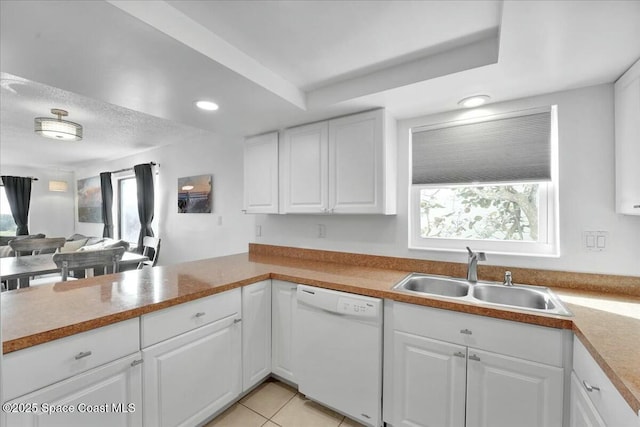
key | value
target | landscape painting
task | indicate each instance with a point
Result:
(195, 194)
(89, 200)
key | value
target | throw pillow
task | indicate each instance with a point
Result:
(73, 245)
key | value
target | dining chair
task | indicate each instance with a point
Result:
(104, 258)
(107, 259)
(23, 247)
(151, 249)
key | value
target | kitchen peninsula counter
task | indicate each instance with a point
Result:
(608, 324)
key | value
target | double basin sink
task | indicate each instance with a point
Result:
(536, 298)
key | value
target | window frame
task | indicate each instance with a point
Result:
(119, 204)
(4, 196)
(548, 221)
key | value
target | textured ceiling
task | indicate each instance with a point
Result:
(109, 130)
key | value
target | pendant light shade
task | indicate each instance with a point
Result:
(56, 128)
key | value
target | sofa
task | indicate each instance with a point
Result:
(80, 242)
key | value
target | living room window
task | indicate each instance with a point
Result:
(128, 220)
(7, 224)
(489, 183)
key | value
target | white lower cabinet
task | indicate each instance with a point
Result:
(429, 382)
(108, 396)
(191, 376)
(92, 378)
(456, 380)
(508, 391)
(583, 413)
(594, 399)
(283, 308)
(256, 333)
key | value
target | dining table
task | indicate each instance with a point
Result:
(19, 269)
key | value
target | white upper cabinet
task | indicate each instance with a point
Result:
(344, 165)
(627, 127)
(261, 173)
(305, 168)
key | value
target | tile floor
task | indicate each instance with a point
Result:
(274, 404)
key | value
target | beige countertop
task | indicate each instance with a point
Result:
(608, 324)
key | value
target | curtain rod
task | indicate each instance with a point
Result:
(32, 178)
(130, 169)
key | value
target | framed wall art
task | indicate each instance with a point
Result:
(89, 200)
(195, 194)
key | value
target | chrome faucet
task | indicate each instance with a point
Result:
(507, 279)
(472, 266)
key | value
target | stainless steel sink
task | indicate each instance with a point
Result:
(512, 295)
(525, 297)
(435, 285)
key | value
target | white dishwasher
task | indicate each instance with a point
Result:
(338, 355)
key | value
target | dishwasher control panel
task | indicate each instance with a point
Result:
(357, 307)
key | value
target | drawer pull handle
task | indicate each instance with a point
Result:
(465, 331)
(459, 354)
(590, 387)
(83, 354)
(237, 320)
(474, 357)
(200, 314)
(136, 362)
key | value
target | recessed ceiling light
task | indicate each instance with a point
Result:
(474, 101)
(207, 105)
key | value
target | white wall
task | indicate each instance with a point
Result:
(50, 212)
(586, 162)
(187, 237)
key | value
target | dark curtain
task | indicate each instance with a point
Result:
(107, 203)
(18, 191)
(144, 182)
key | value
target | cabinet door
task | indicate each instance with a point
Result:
(108, 396)
(188, 378)
(505, 391)
(356, 170)
(305, 169)
(256, 333)
(261, 174)
(283, 318)
(429, 382)
(627, 125)
(583, 413)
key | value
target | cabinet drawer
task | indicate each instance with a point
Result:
(610, 404)
(32, 368)
(164, 324)
(530, 342)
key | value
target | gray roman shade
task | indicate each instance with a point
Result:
(500, 150)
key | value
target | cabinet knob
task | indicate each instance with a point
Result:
(200, 314)
(82, 355)
(459, 354)
(474, 357)
(136, 362)
(237, 320)
(636, 206)
(466, 331)
(590, 387)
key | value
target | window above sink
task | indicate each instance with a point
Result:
(488, 182)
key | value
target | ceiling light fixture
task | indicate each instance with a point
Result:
(474, 101)
(207, 105)
(53, 128)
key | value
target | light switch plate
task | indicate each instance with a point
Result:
(595, 240)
